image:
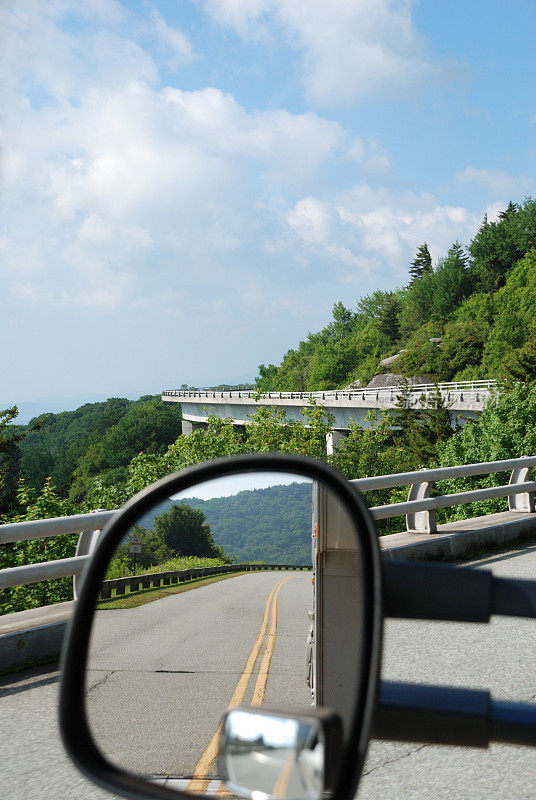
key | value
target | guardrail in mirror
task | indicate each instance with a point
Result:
(156, 579)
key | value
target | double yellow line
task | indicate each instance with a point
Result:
(199, 781)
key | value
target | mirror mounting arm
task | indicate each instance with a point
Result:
(452, 716)
(414, 590)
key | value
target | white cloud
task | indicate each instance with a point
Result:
(312, 219)
(131, 187)
(371, 156)
(496, 181)
(137, 188)
(379, 229)
(350, 48)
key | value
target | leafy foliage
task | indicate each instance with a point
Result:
(506, 429)
(170, 532)
(10, 436)
(37, 505)
(97, 438)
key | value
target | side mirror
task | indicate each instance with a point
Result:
(169, 634)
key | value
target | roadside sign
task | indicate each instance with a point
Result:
(135, 544)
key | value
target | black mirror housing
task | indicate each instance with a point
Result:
(75, 727)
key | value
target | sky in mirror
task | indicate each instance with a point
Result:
(233, 484)
(196, 183)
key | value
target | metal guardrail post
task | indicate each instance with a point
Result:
(421, 521)
(524, 501)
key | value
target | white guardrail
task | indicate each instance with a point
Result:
(471, 387)
(419, 511)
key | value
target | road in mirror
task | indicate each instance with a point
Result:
(243, 590)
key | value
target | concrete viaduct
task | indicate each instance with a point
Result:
(465, 400)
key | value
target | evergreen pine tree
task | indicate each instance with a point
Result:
(418, 430)
(458, 255)
(510, 209)
(421, 264)
(484, 224)
(387, 320)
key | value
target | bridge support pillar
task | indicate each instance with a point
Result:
(524, 501)
(187, 427)
(333, 438)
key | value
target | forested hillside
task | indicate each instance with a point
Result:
(71, 448)
(478, 303)
(271, 525)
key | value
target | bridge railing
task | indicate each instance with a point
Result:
(420, 507)
(419, 510)
(474, 389)
(87, 525)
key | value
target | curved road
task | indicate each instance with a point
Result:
(499, 656)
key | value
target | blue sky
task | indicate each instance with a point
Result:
(187, 187)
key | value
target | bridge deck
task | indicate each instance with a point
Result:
(383, 398)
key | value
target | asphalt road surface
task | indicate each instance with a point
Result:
(161, 675)
(499, 656)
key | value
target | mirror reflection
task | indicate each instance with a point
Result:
(225, 595)
(266, 755)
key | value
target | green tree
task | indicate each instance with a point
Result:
(450, 283)
(421, 430)
(505, 429)
(514, 305)
(418, 304)
(421, 264)
(266, 381)
(186, 533)
(343, 319)
(154, 551)
(10, 436)
(368, 451)
(387, 320)
(520, 365)
(331, 364)
(461, 348)
(34, 505)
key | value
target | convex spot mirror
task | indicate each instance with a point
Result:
(250, 582)
(265, 753)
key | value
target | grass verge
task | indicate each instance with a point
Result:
(142, 596)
